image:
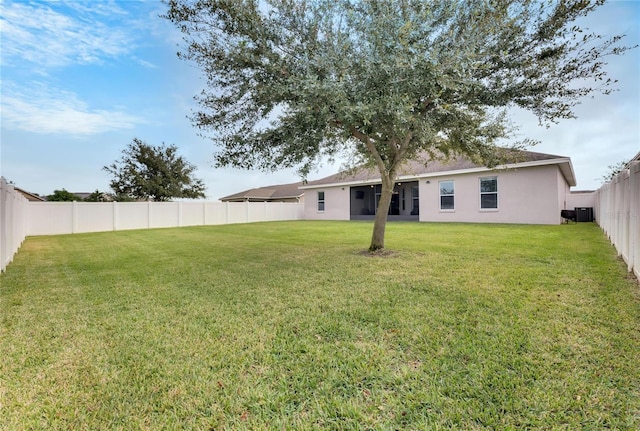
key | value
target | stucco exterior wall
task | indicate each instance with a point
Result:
(563, 191)
(581, 199)
(336, 204)
(527, 195)
(533, 195)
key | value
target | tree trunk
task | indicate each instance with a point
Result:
(380, 224)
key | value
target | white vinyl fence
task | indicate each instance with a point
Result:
(618, 214)
(53, 218)
(13, 222)
(20, 218)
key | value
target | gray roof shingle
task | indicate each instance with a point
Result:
(424, 166)
(267, 193)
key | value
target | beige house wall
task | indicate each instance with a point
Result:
(581, 199)
(533, 195)
(336, 206)
(526, 195)
(563, 192)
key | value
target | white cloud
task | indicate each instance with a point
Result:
(102, 7)
(40, 109)
(145, 63)
(37, 34)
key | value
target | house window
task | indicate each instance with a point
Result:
(320, 201)
(415, 207)
(447, 195)
(489, 193)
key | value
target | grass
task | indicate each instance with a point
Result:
(287, 326)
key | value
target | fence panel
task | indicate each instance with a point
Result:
(192, 213)
(237, 212)
(52, 218)
(164, 214)
(131, 215)
(13, 225)
(634, 217)
(618, 214)
(93, 217)
(257, 213)
(215, 213)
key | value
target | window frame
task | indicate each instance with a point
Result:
(452, 195)
(321, 199)
(482, 193)
(415, 198)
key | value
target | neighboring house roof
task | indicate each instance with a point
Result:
(81, 195)
(32, 197)
(456, 165)
(276, 192)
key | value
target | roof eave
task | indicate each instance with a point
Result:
(277, 198)
(258, 198)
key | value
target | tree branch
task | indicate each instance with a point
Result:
(366, 140)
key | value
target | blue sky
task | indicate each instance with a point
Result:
(81, 79)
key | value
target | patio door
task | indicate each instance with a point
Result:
(394, 207)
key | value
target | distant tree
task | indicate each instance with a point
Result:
(62, 196)
(614, 170)
(99, 196)
(387, 80)
(153, 172)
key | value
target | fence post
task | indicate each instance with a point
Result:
(114, 209)
(74, 217)
(4, 240)
(634, 217)
(13, 222)
(619, 214)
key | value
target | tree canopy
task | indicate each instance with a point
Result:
(98, 196)
(63, 196)
(387, 81)
(153, 172)
(614, 170)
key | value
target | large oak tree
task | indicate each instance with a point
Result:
(290, 81)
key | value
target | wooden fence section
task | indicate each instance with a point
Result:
(618, 214)
(13, 226)
(54, 218)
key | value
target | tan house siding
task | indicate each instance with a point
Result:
(532, 190)
(579, 199)
(334, 207)
(524, 196)
(532, 195)
(563, 192)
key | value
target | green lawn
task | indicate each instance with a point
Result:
(288, 326)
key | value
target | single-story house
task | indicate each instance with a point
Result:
(531, 189)
(277, 193)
